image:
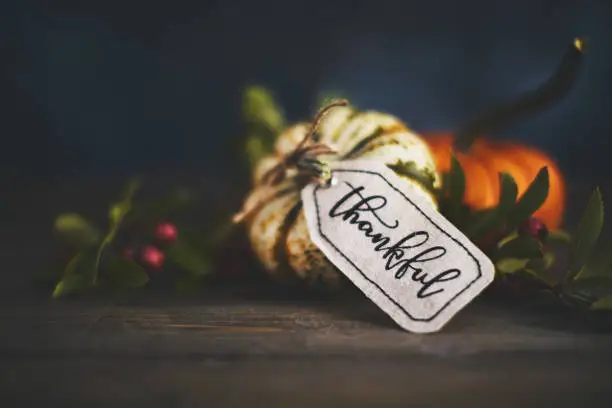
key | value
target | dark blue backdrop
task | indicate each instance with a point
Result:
(117, 86)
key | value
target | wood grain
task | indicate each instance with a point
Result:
(224, 350)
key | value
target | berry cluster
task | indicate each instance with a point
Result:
(152, 255)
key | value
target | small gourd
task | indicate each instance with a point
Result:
(273, 213)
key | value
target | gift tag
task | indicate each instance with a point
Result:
(402, 253)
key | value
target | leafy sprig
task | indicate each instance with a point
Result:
(97, 262)
(585, 282)
(264, 120)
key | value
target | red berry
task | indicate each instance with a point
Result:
(533, 227)
(166, 232)
(152, 256)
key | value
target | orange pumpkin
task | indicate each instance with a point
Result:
(486, 159)
(482, 159)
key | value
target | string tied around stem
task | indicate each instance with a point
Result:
(305, 158)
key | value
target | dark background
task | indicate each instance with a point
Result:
(108, 87)
(96, 90)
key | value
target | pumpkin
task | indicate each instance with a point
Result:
(482, 159)
(487, 158)
(274, 218)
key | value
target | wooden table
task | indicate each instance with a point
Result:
(236, 348)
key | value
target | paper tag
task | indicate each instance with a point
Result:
(401, 252)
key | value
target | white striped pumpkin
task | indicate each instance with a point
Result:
(277, 229)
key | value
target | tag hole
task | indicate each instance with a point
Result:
(330, 182)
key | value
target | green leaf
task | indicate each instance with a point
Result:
(456, 182)
(508, 192)
(538, 268)
(519, 247)
(543, 263)
(494, 219)
(507, 238)
(587, 234)
(596, 285)
(259, 108)
(77, 274)
(119, 210)
(76, 230)
(604, 303)
(125, 273)
(539, 277)
(184, 255)
(69, 285)
(599, 265)
(255, 149)
(510, 265)
(531, 200)
(560, 236)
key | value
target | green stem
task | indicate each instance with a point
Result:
(531, 103)
(99, 254)
(117, 216)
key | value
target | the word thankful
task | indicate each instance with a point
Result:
(408, 254)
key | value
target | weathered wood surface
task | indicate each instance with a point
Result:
(227, 349)
(249, 347)
(222, 324)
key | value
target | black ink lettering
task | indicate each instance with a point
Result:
(362, 206)
(395, 255)
(442, 277)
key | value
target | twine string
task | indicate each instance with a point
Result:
(304, 157)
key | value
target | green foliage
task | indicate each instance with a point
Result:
(76, 231)
(410, 169)
(82, 272)
(587, 281)
(450, 195)
(604, 303)
(96, 262)
(587, 234)
(125, 273)
(77, 275)
(531, 200)
(117, 213)
(519, 247)
(183, 254)
(264, 120)
(494, 219)
(559, 236)
(255, 149)
(260, 108)
(456, 183)
(511, 265)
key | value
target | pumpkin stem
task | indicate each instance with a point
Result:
(295, 158)
(318, 118)
(531, 103)
(303, 157)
